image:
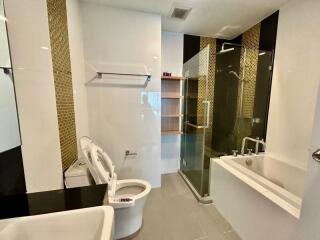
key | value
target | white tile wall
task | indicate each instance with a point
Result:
(172, 61)
(78, 69)
(295, 82)
(122, 118)
(301, 20)
(31, 59)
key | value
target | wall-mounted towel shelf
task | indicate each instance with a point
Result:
(100, 80)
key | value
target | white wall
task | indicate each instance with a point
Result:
(295, 82)
(303, 19)
(172, 53)
(32, 65)
(294, 129)
(78, 69)
(308, 228)
(122, 118)
(172, 61)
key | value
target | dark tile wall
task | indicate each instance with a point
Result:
(268, 37)
(225, 99)
(191, 46)
(12, 179)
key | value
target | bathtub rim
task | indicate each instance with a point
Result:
(284, 192)
(251, 181)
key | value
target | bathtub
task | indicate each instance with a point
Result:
(260, 196)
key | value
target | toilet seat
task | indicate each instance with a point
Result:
(116, 202)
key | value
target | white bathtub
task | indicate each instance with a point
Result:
(260, 196)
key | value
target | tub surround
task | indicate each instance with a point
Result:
(262, 195)
(51, 201)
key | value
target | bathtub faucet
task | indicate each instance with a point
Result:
(257, 141)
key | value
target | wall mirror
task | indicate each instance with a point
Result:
(9, 124)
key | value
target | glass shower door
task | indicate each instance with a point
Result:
(196, 119)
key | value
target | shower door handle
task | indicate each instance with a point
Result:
(195, 126)
(207, 115)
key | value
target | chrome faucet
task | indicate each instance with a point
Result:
(234, 153)
(257, 141)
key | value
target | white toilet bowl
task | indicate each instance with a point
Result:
(127, 196)
(129, 215)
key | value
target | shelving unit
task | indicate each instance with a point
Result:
(171, 112)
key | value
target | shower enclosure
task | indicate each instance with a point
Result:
(226, 91)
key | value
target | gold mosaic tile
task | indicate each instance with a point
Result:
(250, 40)
(59, 40)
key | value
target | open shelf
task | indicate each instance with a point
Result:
(170, 132)
(172, 78)
(168, 95)
(170, 105)
(171, 115)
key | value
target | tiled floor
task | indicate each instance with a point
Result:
(172, 213)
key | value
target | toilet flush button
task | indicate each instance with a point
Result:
(125, 199)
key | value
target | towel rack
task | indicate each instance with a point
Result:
(100, 74)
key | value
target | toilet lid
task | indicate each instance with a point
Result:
(85, 144)
(102, 164)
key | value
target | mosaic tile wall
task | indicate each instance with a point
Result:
(58, 29)
(204, 42)
(250, 40)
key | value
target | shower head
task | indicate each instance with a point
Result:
(226, 50)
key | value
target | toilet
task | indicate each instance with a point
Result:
(127, 197)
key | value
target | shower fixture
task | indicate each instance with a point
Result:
(226, 50)
(241, 78)
(236, 74)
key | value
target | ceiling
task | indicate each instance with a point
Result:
(213, 18)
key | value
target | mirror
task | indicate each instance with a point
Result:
(9, 124)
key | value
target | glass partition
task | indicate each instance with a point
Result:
(196, 121)
(226, 99)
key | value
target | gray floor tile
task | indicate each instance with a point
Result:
(173, 213)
